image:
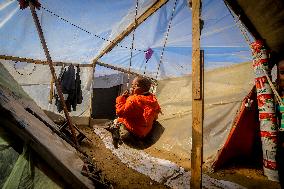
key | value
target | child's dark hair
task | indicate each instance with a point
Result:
(145, 83)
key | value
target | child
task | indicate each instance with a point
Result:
(137, 110)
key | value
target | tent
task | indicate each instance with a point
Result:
(78, 32)
(32, 154)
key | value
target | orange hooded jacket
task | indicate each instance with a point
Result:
(137, 113)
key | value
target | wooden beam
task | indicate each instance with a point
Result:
(158, 4)
(92, 94)
(44, 140)
(36, 61)
(52, 70)
(122, 70)
(197, 100)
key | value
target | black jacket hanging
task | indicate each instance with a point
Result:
(77, 97)
(70, 85)
(68, 80)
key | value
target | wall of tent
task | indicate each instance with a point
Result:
(77, 31)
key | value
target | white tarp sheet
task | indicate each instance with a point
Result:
(104, 20)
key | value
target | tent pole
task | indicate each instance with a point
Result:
(52, 70)
(92, 93)
(35, 61)
(151, 10)
(197, 99)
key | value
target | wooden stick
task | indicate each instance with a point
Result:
(52, 70)
(36, 61)
(92, 94)
(122, 70)
(197, 100)
(51, 91)
(158, 4)
(30, 60)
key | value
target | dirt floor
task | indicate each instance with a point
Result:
(250, 176)
(247, 177)
(113, 170)
(123, 177)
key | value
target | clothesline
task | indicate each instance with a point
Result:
(36, 61)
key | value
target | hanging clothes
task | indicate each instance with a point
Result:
(78, 97)
(71, 87)
(68, 80)
(68, 86)
(58, 104)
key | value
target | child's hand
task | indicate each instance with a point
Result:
(126, 93)
(131, 91)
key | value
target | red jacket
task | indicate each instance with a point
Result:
(137, 113)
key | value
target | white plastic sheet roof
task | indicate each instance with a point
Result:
(104, 20)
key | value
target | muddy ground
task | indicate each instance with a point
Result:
(123, 177)
(120, 176)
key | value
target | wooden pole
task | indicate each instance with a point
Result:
(30, 60)
(122, 70)
(52, 70)
(51, 91)
(92, 94)
(151, 10)
(197, 100)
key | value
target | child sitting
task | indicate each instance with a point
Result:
(136, 110)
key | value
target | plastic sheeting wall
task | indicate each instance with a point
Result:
(104, 20)
(35, 80)
(225, 88)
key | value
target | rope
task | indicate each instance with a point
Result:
(239, 24)
(166, 39)
(144, 73)
(245, 34)
(132, 43)
(85, 30)
(34, 69)
(278, 98)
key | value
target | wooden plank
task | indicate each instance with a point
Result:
(57, 153)
(92, 94)
(197, 100)
(52, 70)
(158, 4)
